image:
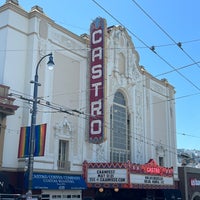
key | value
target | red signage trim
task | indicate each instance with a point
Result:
(96, 121)
(152, 168)
(149, 175)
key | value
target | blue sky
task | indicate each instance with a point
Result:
(162, 24)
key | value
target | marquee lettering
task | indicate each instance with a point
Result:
(96, 53)
(97, 71)
(152, 168)
(96, 122)
(96, 88)
(97, 36)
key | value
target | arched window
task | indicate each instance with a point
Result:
(119, 132)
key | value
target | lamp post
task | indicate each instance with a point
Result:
(33, 123)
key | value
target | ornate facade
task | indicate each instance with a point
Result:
(139, 110)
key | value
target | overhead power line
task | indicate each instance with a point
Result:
(77, 113)
(152, 48)
(183, 67)
(50, 105)
(88, 49)
(178, 44)
(189, 135)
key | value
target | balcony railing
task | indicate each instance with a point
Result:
(64, 165)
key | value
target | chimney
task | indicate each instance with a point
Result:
(38, 8)
(12, 1)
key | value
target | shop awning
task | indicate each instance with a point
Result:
(58, 181)
(172, 194)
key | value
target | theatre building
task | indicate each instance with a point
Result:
(132, 135)
(110, 125)
(128, 180)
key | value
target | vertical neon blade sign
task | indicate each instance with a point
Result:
(96, 122)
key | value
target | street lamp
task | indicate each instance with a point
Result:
(33, 122)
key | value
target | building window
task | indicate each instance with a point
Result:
(120, 136)
(63, 152)
(161, 161)
(45, 197)
(56, 196)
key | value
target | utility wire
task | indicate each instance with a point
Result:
(50, 105)
(136, 136)
(172, 44)
(120, 23)
(73, 112)
(189, 135)
(152, 48)
(176, 70)
(77, 113)
(178, 44)
(189, 65)
(88, 49)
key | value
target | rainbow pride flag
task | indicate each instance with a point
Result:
(40, 137)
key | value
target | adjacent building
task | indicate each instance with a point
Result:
(7, 108)
(189, 182)
(110, 125)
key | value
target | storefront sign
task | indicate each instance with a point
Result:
(128, 175)
(195, 182)
(96, 122)
(58, 181)
(153, 180)
(107, 176)
(151, 168)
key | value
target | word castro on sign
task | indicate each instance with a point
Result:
(96, 122)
